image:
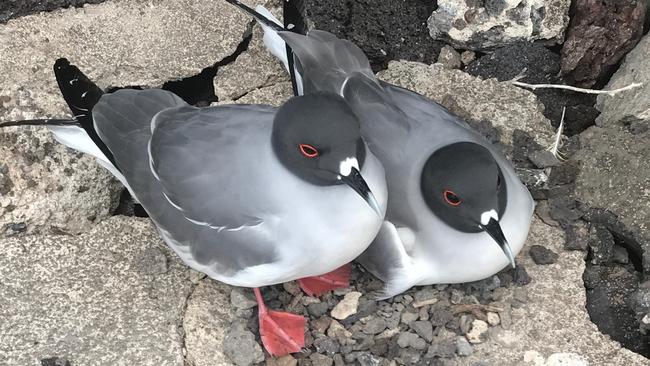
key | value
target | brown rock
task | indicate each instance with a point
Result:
(599, 35)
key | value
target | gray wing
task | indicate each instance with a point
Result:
(123, 121)
(325, 61)
(208, 162)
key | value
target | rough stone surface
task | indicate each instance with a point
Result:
(347, 306)
(554, 319)
(542, 255)
(608, 157)
(240, 346)
(480, 25)
(449, 58)
(599, 35)
(15, 8)
(206, 321)
(384, 30)
(631, 107)
(535, 64)
(86, 297)
(506, 107)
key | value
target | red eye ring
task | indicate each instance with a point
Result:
(308, 151)
(451, 198)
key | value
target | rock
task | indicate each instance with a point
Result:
(619, 255)
(16, 9)
(374, 326)
(152, 262)
(493, 319)
(408, 317)
(240, 346)
(566, 359)
(242, 298)
(55, 361)
(443, 345)
(407, 339)
(84, 297)
(287, 360)
(423, 328)
(544, 159)
(449, 58)
(467, 57)
(327, 346)
(477, 333)
(628, 108)
(475, 99)
(612, 157)
(576, 236)
(317, 309)
(463, 348)
(533, 63)
(542, 255)
(408, 356)
(338, 332)
(384, 30)
(478, 26)
(424, 297)
(347, 306)
(367, 359)
(320, 360)
(599, 35)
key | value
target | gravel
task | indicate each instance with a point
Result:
(542, 255)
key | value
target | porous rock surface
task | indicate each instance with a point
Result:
(481, 25)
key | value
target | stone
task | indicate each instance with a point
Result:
(242, 298)
(408, 339)
(347, 306)
(542, 255)
(327, 346)
(408, 356)
(317, 309)
(152, 262)
(444, 345)
(619, 255)
(533, 63)
(320, 360)
(384, 30)
(630, 107)
(367, 359)
(374, 326)
(467, 57)
(423, 328)
(493, 319)
(599, 35)
(576, 235)
(612, 157)
(566, 359)
(409, 317)
(544, 159)
(240, 346)
(508, 108)
(480, 26)
(463, 347)
(287, 360)
(84, 297)
(478, 331)
(449, 58)
(338, 332)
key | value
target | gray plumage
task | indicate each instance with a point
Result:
(213, 186)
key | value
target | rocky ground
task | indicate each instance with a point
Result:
(80, 286)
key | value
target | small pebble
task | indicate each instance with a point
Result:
(292, 287)
(542, 255)
(347, 306)
(449, 57)
(240, 346)
(374, 326)
(317, 309)
(321, 324)
(467, 56)
(408, 339)
(367, 359)
(327, 346)
(408, 317)
(242, 298)
(287, 360)
(493, 319)
(478, 332)
(619, 255)
(320, 360)
(388, 333)
(424, 313)
(423, 328)
(442, 346)
(543, 159)
(408, 356)
(463, 347)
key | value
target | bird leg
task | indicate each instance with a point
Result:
(317, 285)
(281, 332)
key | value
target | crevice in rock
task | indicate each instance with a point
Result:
(198, 89)
(15, 9)
(181, 324)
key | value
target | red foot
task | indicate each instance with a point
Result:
(282, 333)
(318, 285)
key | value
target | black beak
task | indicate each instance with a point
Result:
(494, 229)
(356, 182)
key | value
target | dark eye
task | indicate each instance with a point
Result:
(451, 198)
(308, 151)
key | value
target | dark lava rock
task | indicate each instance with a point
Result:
(539, 65)
(5, 181)
(517, 276)
(601, 244)
(375, 325)
(423, 328)
(542, 255)
(576, 236)
(543, 159)
(564, 174)
(327, 346)
(535, 180)
(317, 309)
(10, 9)
(610, 303)
(442, 347)
(55, 361)
(384, 30)
(599, 35)
(19, 227)
(320, 360)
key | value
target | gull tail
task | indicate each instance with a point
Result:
(293, 22)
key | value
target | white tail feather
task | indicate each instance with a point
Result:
(275, 44)
(76, 138)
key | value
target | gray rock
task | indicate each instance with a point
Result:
(449, 58)
(619, 255)
(55, 361)
(542, 255)
(85, 297)
(317, 309)
(480, 26)
(423, 328)
(374, 326)
(240, 346)
(242, 298)
(630, 106)
(320, 360)
(367, 359)
(543, 159)
(327, 346)
(475, 99)
(408, 339)
(409, 317)
(442, 347)
(467, 57)
(408, 356)
(463, 347)
(152, 262)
